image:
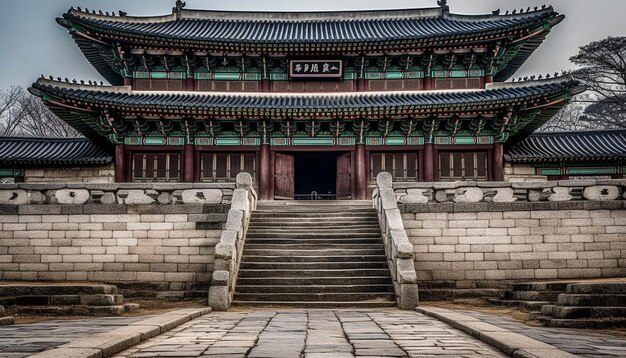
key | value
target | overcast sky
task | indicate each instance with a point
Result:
(31, 42)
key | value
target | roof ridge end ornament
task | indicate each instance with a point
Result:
(180, 5)
(443, 4)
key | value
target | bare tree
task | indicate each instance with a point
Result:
(603, 70)
(22, 114)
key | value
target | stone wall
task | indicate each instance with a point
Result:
(160, 238)
(492, 233)
(515, 172)
(101, 174)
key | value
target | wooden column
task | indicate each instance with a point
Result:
(428, 84)
(265, 85)
(429, 162)
(120, 165)
(488, 79)
(189, 85)
(360, 85)
(498, 162)
(361, 172)
(189, 164)
(128, 81)
(265, 173)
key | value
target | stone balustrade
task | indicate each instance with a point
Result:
(230, 248)
(398, 249)
(507, 192)
(123, 193)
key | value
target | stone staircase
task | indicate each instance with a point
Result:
(314, 254)
(5, 320)
(64, 299)
(588, 305)
(532, 295)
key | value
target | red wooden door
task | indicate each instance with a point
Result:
(284, 176)
(344, 176)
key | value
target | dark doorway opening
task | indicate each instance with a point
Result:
(315, 176)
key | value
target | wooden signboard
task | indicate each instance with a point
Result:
(315, 69)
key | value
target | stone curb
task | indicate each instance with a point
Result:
(514, 344)
(109, 343)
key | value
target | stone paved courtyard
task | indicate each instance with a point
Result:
(26, 339)
(313, 334)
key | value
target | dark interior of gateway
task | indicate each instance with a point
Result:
(315, 176)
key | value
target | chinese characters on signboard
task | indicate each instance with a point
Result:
(316, 69)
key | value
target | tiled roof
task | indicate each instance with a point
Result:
(266, 104)
(334, 27)
(51, 151)
(309, 33)
(569, 146)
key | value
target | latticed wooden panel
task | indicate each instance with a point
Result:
(463, 166)
(156, 167)
(224, 167)
(403, 166)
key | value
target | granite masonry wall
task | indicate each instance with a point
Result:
(100, 174)
(155, 241)
(482, 235)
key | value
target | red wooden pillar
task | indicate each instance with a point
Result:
(120, 164)
(488, 79)
(498, 162)
(265, 173)
(189, 164)
(360, 85)
(428, 83)
(189, 85)
(266, 85)
(361, 172)
(429, 162)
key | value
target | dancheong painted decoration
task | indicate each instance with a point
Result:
(200, 95)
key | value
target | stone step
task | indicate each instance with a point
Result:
(294, 248)
(279, 242)
(100, 311)
(586, 323)
(587, 312)
(614, 300)
(313, 297)
(313, 273)
(302, 281)
(56, 289)
(314, 235)
(529, 305)
(6, 321)
(2, 310)
(64, 300)
(533, 295)
(261, 251)
(597, 288)
(387, 288)
(313, 230)
(376, 303)
(330, 222)
(349, 215)
(350, 258)
(438, 294)
(540, 286)
(312, 265)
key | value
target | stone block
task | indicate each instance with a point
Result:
(244, 181)
(202, 196)
(225, 251)
(134, 197)
(408, 297)
(240, 201)
(504, 195)
(601, 193)
(219, 298)
(388, 199)
(13, 197)
(560, 194)
(414, 196)
(72, 196)
(384, 180)
(468, 195)
(394, 220)
(234, 221)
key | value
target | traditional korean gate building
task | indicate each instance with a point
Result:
(318, 101)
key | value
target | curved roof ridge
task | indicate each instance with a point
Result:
(583, 132)
(315, 15)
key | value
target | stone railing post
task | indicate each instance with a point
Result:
(230, 248)
(398, 249)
